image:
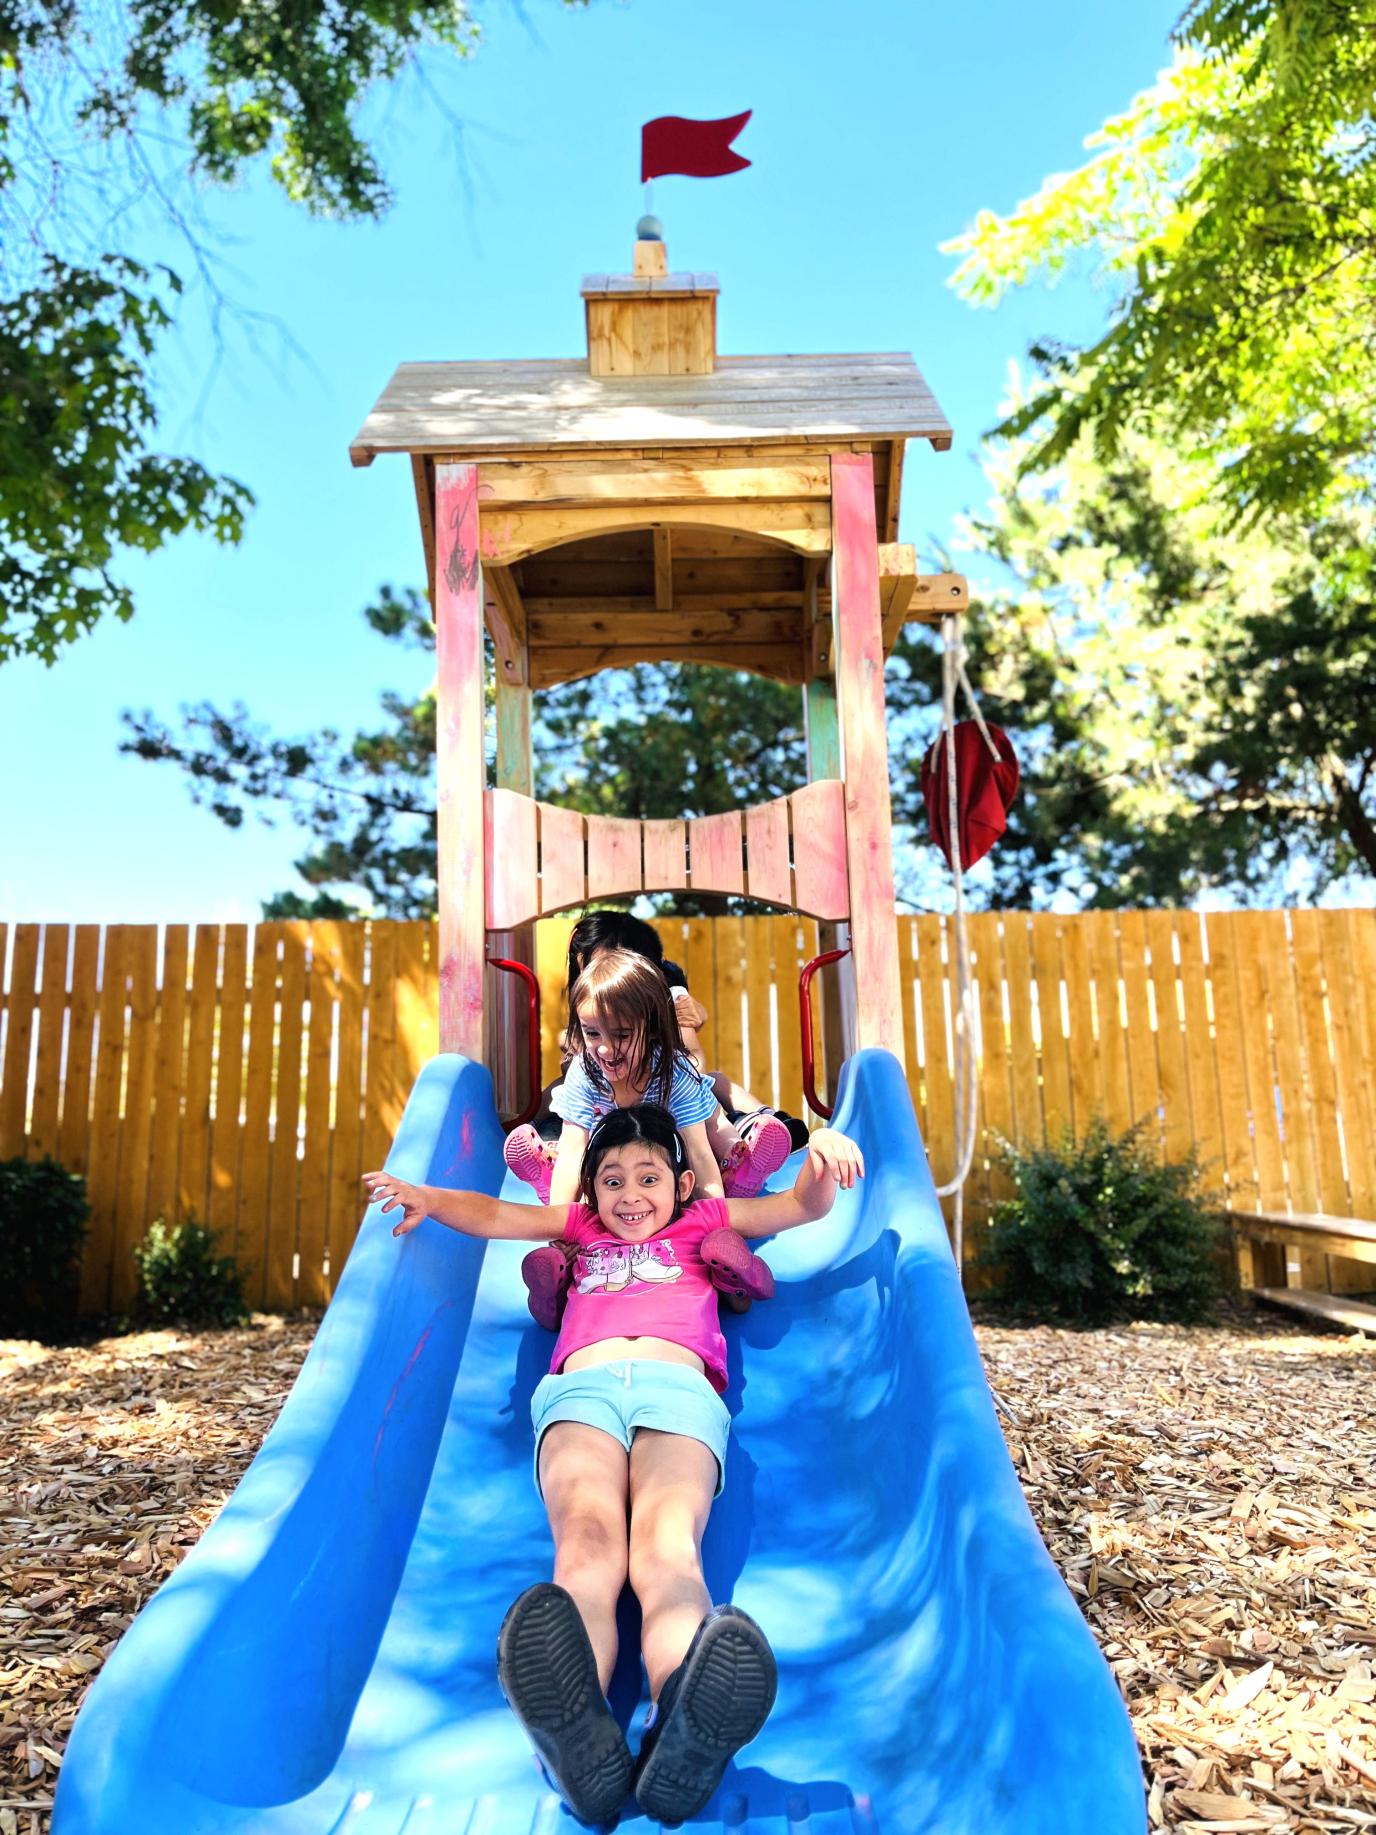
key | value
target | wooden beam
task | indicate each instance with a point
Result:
(459, 759)
(860, 700)
(893, 488)
(664, 570)
(422, 476)
(626, 605)
(506, 619)
(937, 594)
(508, 536)
(568, 630)
(817, 632)
(549, 665)
(562, 486)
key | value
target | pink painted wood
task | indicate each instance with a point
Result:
(613, 856)
(714, 853)
(459, 759)
(666, 856)
(562, 878)
(513, 885)
(821, 886)
(766, 852)
(859, 660)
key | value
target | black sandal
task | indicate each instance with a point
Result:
(714, 1703)
(548, 1673)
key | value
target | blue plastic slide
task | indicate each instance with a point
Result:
(323, 1662)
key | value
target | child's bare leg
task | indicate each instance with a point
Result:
(673, 1479)
(735, 1095)
(721, 1136)
(584, 1482)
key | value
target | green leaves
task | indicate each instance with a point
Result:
(1101, 1231)
(77, 476)
(1233, 208)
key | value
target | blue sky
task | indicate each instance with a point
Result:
(879, 130)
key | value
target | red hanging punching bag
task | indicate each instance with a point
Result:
(985, 788)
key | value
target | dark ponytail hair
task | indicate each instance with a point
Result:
(601, 930)
(647, 1122)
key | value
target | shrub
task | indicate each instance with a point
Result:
(43, 1214)
(1100, 1231)
(183, 1282)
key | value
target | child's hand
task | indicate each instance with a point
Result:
(397, 1192)
(833, 1155)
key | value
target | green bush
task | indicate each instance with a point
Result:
(43, 1214)
(183, 1282)
(1100, 1231)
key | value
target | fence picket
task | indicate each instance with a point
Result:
(280, 1247)
(169, 1076)
(226, 1125)
(47, 1067)
(1237, 1097)
(312, 1229)
(19, 1011)
(1046, 968)
(347, 1196)
(1170, 1045)
(193, 1171)
(98, 1254)
(73, 1140)
(1353, 1065)
(132, 1216)
(255, 1170)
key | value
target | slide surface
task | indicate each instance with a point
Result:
(323, 1661)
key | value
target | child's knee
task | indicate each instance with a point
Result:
(588, 1542)
(663, 1549)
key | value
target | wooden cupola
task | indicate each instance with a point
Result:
(653, 501)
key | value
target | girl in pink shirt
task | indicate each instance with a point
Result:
(630, 1450)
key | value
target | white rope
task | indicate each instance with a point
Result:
(966, 1069)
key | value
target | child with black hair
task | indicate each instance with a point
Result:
(630, 1450)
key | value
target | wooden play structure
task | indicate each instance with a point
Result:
(654, 502)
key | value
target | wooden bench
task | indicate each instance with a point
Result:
(1300, 1239)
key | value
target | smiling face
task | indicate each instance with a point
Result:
(614, 1045)
(634, 1191)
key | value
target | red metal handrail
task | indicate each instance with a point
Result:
(527, 975)
(813, 1100)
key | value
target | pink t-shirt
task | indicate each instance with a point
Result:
(658, 1288)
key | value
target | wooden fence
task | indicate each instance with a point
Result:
(249, 1076)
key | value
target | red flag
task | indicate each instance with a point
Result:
(698, 149)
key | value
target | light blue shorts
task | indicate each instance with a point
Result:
(641, 1392)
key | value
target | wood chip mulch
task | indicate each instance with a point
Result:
(1209, 1494)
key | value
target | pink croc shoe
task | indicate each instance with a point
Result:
(531, 1159)
(763, 1144)
(738, 1276)
(547, 1273)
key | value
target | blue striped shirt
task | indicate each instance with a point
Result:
(584, 1097)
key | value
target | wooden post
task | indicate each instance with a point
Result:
(459, 758)
(822, 730)
(859, 658)
(508, 1047)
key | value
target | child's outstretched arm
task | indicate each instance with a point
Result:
(832, 1159)
(472, 1213)
(568, 1164)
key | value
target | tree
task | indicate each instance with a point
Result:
(1232, 207)
(1191, 702)
(642, 742)
(90, 98)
